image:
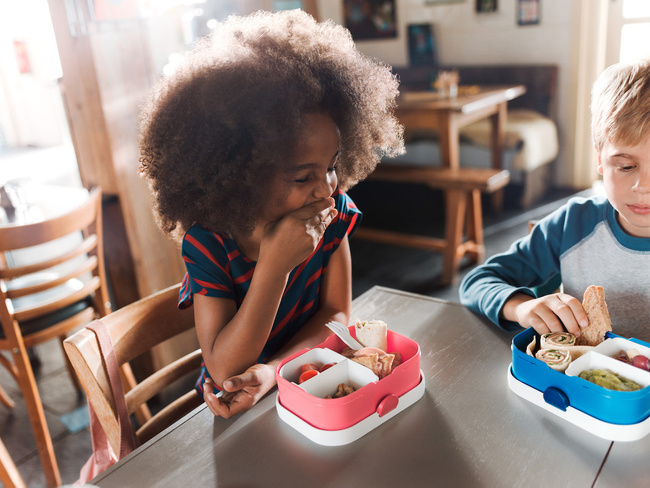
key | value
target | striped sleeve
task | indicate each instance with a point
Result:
(208, 267)
(348, 218)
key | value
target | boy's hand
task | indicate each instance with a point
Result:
(550, 313)
(240, 392)
(294, 237)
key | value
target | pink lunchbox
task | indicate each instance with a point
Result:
(336, 421)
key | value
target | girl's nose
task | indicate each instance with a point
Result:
(326, 185)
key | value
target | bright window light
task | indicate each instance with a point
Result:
(634, 9)
(635, 42)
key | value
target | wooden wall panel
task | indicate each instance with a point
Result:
(106, 72)
(82, 102)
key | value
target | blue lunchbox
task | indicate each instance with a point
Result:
(613, 415)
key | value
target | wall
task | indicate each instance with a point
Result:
(464, 36)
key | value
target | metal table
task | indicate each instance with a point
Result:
(468, 429)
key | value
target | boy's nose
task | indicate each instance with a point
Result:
(643, 182)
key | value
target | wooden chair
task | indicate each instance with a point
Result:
(135, 329)
(9, 474)
(62, 288)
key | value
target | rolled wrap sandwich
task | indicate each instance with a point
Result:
(555, 359)
(553, 340)
(557, 342)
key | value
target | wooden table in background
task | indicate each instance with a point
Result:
(468, 429)
(427, 111)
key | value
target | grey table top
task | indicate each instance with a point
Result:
(468, 429)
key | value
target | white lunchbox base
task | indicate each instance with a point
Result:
(605, 430)
(358, 430)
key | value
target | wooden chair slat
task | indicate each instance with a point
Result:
(29, 313)
(86, 247)
(152, 385)
(88, 266)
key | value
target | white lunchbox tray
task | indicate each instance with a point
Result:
(604, 430)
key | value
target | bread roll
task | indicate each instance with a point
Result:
(598, 315)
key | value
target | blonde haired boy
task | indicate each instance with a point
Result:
(602, 240)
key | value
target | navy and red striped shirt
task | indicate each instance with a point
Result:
(216, 267)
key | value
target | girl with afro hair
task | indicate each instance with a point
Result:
(248, 148)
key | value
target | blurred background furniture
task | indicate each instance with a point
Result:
(426, 112)
(52, 281)
(463, 233)
(530, 135)
(134, 330)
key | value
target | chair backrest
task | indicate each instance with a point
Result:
(135, 329)
(65, 265)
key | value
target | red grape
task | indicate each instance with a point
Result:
(641, 362)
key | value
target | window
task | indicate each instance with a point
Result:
(629, 31)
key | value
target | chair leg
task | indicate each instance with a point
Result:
(71, 372)
(36, 413)
(455, 209)
(475, 226)
(9, 474)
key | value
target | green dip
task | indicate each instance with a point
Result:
(609, 380)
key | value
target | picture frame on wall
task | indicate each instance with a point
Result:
(441, 2)
(422, 45)
(486, 6)
(528, 12)
(370, 19)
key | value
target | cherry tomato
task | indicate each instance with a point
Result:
(307, 375)
(326, 366)
(308, 367)
(641, 362)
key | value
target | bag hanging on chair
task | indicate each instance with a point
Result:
(103, 456)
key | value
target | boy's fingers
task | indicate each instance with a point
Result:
(572, 314)
(550, 319)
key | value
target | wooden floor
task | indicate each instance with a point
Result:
(373, 264)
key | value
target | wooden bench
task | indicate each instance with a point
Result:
(463, 216)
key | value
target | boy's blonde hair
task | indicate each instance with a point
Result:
(620, 104)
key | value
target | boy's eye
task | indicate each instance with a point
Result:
(332, 168)
(626, 168)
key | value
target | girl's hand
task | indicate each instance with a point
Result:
(240, 392)
(550, 313)
(295, 236)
